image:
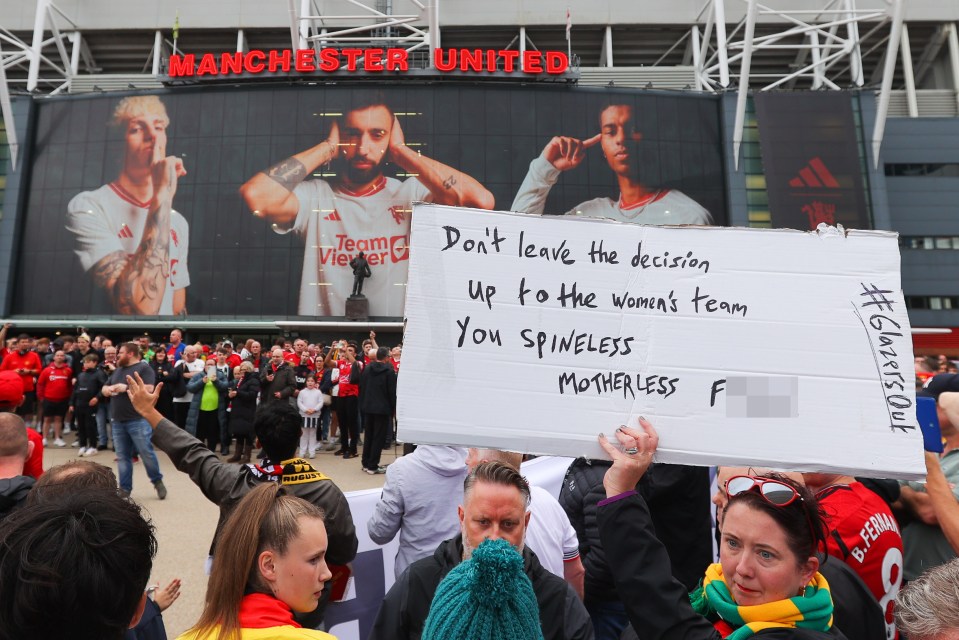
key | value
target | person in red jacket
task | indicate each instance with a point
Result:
(11, 397)
(54, 387)
(26, 364)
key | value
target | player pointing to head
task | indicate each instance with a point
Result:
(127, 233)
(619, 140)
(567, 153)
(359, 210)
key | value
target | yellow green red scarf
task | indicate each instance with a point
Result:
(811, 610)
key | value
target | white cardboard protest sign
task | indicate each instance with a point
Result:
(778, 348)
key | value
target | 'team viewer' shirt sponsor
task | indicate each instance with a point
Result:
(336, 225)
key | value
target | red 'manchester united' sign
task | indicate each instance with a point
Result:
(369, 60)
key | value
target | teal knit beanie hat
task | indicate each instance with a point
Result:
(488, 597)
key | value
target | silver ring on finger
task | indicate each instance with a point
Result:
(631, 451)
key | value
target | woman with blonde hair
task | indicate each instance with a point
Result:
(270, 563)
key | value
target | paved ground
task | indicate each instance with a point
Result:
(185, 521)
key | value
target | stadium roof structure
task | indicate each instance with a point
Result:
(739, 46)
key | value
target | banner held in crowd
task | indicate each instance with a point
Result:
(774, 348)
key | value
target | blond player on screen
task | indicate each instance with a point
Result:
(359, 209)
(127, 234)
(619, 141)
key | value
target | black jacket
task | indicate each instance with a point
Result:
(243, 406)
(13, 493)
(404, 610)
(378, 389)
(678, 498)
(284, 381)
(300, 373)
(656, 603)
(857, 614)
(76, 360)
(87, 387)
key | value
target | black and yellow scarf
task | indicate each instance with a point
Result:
(292, 471)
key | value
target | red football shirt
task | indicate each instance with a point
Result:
(28, 361)
(865, 535)
(347, 387)
(33, 467)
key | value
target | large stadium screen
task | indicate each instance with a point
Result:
(253, 202)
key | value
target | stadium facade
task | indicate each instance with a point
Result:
(874, 83)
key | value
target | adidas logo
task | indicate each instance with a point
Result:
(333, 217)
(125, 232)
(815, 175)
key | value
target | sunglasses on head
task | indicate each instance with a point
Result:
(772, 491)
(776, 493)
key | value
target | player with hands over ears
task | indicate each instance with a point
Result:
(363, 208)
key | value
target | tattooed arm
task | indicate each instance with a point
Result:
(446, 185)
(137, 282)
(269, 194)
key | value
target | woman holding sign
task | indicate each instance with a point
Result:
(767, 581)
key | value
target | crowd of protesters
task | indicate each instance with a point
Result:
(211, 390)
(626, 551)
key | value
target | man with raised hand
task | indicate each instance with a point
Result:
(127, 234)
(277, 426)
(619, 141)
(359, 210)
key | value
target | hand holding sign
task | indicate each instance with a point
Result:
(568, 153)
(630, 464)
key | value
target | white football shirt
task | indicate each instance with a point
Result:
(665, 207)
(109, 219)
(550, 535)
(336, 225)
